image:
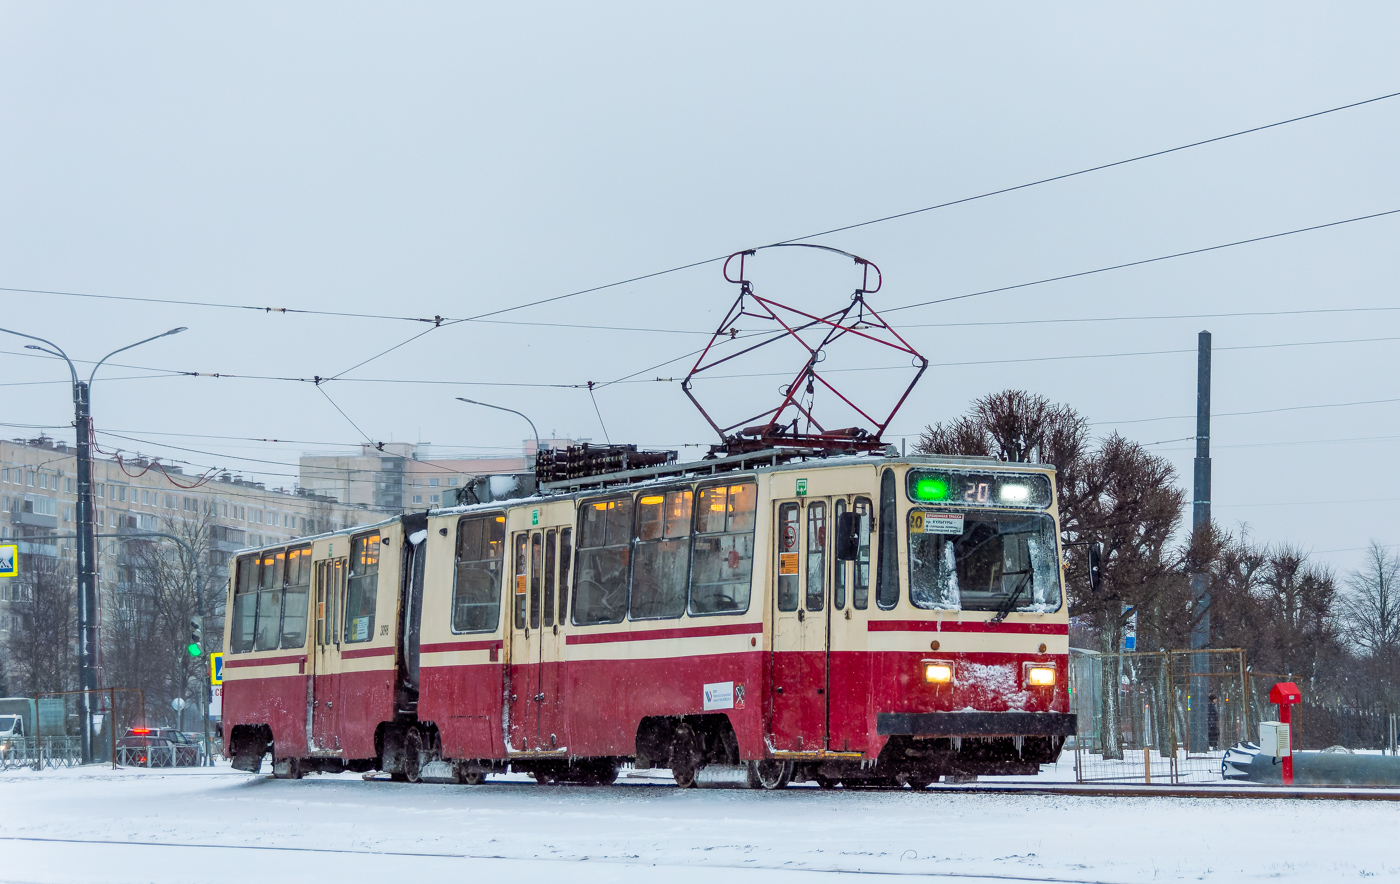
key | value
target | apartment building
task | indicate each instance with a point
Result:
(38, 500)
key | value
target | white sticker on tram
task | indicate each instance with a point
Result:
(936, 523)
(719, 695)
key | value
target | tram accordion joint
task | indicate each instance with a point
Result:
(584, 460)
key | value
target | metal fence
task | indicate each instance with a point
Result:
(1164, 716)
(41, 752)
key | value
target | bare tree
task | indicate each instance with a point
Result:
(1370, 607)
(42, 646)
(147, 641)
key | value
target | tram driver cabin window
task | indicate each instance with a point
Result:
(362, 588)
(605, 534)
(476, 593)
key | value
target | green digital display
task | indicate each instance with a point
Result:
(958, 488)
(931, 488)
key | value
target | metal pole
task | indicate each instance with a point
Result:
(1200, 521)
(88, 676)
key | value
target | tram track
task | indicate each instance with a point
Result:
(591, 860)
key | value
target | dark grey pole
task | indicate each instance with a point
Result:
(89, 674)
(1200, 519)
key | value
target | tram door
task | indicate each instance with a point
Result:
(325, 657)
(553, 609)
(800, 629)
(527, 556)
(848, 671)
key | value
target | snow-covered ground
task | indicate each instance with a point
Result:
(216, 825)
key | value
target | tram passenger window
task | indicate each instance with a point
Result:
(838, 586)
(296, 598)
(887, 576)
(860, 591)
(721, 565)
(245, 606)
(600, 589)
(660, 572)
(536, 567)
(520, 581)
(362, 591)
(788, 570)
(270, 566)
(551, 559)
(816, 555)
(476, 592)
(566, 559)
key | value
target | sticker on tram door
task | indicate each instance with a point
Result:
(719, 695)
(787, 564)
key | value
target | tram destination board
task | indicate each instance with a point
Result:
(959, 488)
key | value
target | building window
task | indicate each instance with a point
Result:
(43, 480)
(433, 483)
(67, 514)
(417, 498)
(5, 474)
(434, 498)
(452, 483)
(29, 478)
(68, 485)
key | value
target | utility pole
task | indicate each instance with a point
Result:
(89, 615)
(1200, 521)
(89, 673)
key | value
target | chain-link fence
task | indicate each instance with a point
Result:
(1163, 716)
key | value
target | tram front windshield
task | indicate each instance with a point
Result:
(983, 561)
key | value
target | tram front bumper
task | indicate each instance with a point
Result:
(976, 724)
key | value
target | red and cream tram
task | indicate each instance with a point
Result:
(866, 620)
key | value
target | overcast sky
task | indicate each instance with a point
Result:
(424, 160)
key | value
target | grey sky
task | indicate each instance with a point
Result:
(449, 159)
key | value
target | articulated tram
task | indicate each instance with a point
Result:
(868, 620)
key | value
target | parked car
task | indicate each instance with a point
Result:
(157, 747)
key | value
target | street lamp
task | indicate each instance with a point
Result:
(512, 411)
(88, 614)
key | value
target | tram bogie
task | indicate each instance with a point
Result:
(864, 620)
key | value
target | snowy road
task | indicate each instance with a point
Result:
(215, 825)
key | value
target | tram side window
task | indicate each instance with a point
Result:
(269, 629)
(566, 559)
(600, 589)
(551, 559)
(838, 586)
(887, 575)
(245, 606)
(661, 569)
(362, 591)
(721, 566)
(788, 569)
(476, 594)
(297, 598)
(521, 576)
(860, 592)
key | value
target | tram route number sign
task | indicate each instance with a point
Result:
(921, 522)
(9, 560)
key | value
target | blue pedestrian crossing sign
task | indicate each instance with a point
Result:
(9, 560)
(216, 668)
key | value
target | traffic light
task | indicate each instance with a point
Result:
(196, 645)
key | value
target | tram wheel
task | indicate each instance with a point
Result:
(769, 774)
(918, 784)
(687, 756)
(472, 778)
(825, 782)
(599, 773)
(542, 778)
(413, 756)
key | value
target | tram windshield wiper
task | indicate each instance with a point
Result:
(1010, 602)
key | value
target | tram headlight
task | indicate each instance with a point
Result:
(938, 672)
(1040, 676)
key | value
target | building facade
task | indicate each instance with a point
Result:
(38, 508)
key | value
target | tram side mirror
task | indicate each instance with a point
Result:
(847, 537)
(1095, 563)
